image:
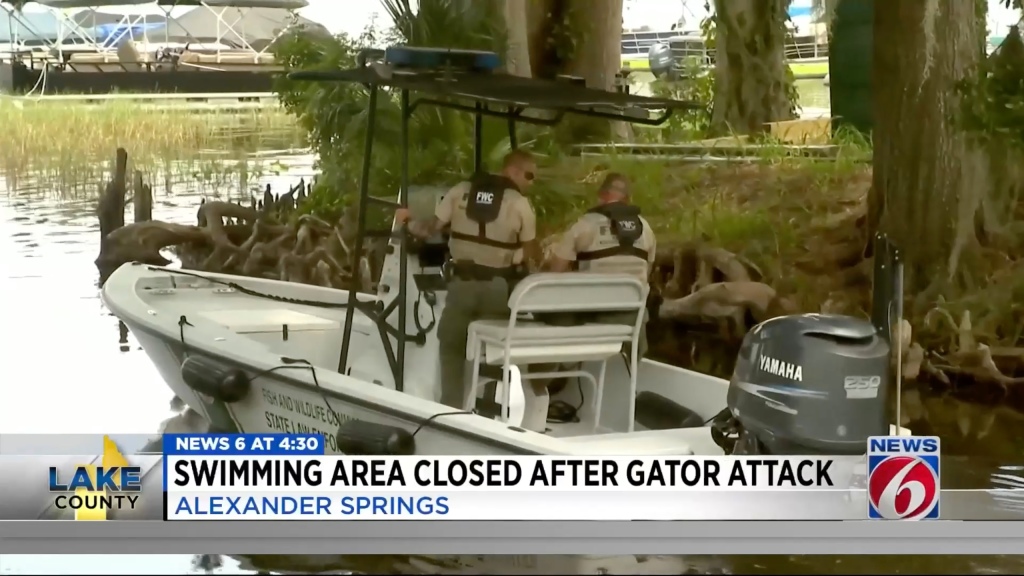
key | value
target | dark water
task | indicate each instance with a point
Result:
(62, 370)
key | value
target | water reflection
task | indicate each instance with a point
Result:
(64, 372)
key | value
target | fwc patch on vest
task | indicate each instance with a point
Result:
(625, 221)
(486, 193)
(483, 206)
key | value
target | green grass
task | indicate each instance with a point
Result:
(66, 146)
(776, 212)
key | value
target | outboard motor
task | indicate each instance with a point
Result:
(660, 59)
(807, 384)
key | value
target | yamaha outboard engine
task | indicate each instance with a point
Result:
(659, 57)
(807, 384)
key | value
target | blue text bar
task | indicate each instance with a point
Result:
(243, 444)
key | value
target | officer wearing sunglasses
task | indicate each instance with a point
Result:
(491, 221)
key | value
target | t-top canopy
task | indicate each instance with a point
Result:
(72, 4)
(470, 76)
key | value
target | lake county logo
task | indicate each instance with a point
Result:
(92, 490)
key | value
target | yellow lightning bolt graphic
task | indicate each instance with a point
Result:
(111, 457)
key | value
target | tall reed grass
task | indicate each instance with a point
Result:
(68, 146)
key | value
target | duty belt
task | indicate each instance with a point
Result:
(467, 270)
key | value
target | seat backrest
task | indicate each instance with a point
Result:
(579, 292)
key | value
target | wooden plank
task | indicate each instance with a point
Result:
(802, 130)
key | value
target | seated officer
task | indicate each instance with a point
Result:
(490, 221)
(611, 238)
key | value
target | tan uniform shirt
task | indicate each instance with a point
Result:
(593, 232)
(516, 222)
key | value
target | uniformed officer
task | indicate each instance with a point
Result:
(611, 238)
(491, 220)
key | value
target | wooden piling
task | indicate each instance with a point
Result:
(112, 198)
(122, 336)
(111, 210)
(142, 198)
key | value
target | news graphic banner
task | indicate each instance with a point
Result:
(276, 477)
(254, 478)
(289, 477)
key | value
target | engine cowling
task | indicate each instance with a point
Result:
(659, 57)
(807, 384)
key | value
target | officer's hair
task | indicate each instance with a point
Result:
(614, 181)
(516, 157)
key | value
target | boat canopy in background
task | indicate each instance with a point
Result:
(240, 26)
(243, 23)
(29, 26)
(115, 30)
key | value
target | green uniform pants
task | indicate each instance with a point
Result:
(467, 301)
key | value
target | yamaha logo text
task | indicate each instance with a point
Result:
(903, 477)
(775, 366)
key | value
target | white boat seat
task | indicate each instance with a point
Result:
(518, 342)
(648, 442)
(531, 329)
(535, 342)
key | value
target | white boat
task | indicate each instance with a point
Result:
(255, 355)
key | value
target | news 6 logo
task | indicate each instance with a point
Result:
(903, 477)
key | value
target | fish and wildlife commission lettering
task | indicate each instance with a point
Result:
(287, 414)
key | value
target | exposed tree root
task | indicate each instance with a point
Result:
(261, 240)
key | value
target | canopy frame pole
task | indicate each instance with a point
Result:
(221, 34)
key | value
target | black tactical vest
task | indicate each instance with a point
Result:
(627, 228)
(486, 192)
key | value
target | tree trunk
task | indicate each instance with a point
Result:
(518, 38)
(750, 66)
(545, 37)
(929, 182)
(578, 38)
(596, 30)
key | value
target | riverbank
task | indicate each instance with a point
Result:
(739, 242)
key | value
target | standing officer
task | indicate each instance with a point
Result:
(611, 238)
(490, 221)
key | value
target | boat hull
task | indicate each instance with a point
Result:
(286, 338)
(277, 404)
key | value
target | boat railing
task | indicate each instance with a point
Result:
(67, 65)
(687, 52)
